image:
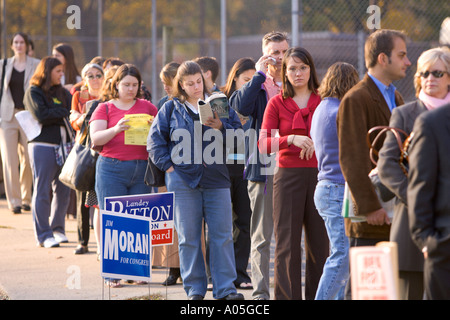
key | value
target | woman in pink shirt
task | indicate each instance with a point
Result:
(285, 130)
(120, 167)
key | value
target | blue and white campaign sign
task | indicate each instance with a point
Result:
(158, 207)
(126, 246)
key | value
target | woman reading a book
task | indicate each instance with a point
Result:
(290, 113)
(200, 182)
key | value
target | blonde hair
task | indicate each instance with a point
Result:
(428, 58)
(340, 78)
(168, 73)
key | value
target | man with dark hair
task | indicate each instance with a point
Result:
(428, 198)
(251, 101)
(210, 71)
(366, 105)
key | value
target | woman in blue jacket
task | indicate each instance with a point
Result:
(193, 157)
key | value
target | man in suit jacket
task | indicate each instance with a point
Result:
(18, 184)
(429, 200)
(366, 105)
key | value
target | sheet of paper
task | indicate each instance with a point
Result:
(29, 124)
(139, 126)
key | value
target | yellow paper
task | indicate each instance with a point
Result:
(139, 126)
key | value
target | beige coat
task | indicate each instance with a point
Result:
(7, 103)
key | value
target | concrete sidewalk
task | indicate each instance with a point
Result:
(29, 272)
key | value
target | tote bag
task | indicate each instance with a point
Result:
(78, 171)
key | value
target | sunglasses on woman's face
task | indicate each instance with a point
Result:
(435, 73)
(98, 76)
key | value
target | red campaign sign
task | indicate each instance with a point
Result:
(162, 237)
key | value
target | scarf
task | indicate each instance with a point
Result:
(432, 102)
(302, 117)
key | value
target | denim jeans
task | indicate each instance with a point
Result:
(119, 178)
(191, 207)
(328, 198)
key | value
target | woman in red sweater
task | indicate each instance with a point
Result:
(285, 130)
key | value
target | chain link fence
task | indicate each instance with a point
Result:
(332, 30)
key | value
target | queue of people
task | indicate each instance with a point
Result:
(305, 139)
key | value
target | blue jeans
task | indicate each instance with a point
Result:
(114, 177)
(328, 199)
(191, 207)
(50, 196)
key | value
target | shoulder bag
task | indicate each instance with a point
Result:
(3, 78)
(154, 176)
(78, 172)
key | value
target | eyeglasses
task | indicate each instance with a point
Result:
(302, 69)
(435, 73)
(98, 76)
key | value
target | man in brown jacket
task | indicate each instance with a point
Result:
(366, 105)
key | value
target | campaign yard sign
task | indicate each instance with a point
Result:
(158, 207)
(126, 246)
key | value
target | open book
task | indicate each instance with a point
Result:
(217, 102)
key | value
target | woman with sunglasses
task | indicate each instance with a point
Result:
(432, 83)
(92, 75)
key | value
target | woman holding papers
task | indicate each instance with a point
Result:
(121, 165)
(49, 102)
(16, 73)
(200, 182)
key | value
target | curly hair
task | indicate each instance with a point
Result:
(340, 78)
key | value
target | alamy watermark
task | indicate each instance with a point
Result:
(374, 20)
(74, 279)
(74, 20)
(209, 147)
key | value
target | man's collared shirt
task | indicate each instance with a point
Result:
(271, 87)
(388, 92)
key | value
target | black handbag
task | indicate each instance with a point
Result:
(154, 177)
(78, 171)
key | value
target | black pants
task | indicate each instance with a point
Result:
(82, 219)
(241, 221)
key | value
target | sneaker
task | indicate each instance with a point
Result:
(60, 237)
(50, 243)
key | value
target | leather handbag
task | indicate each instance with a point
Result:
(78, 171)
(154, 177)
(403, 146)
